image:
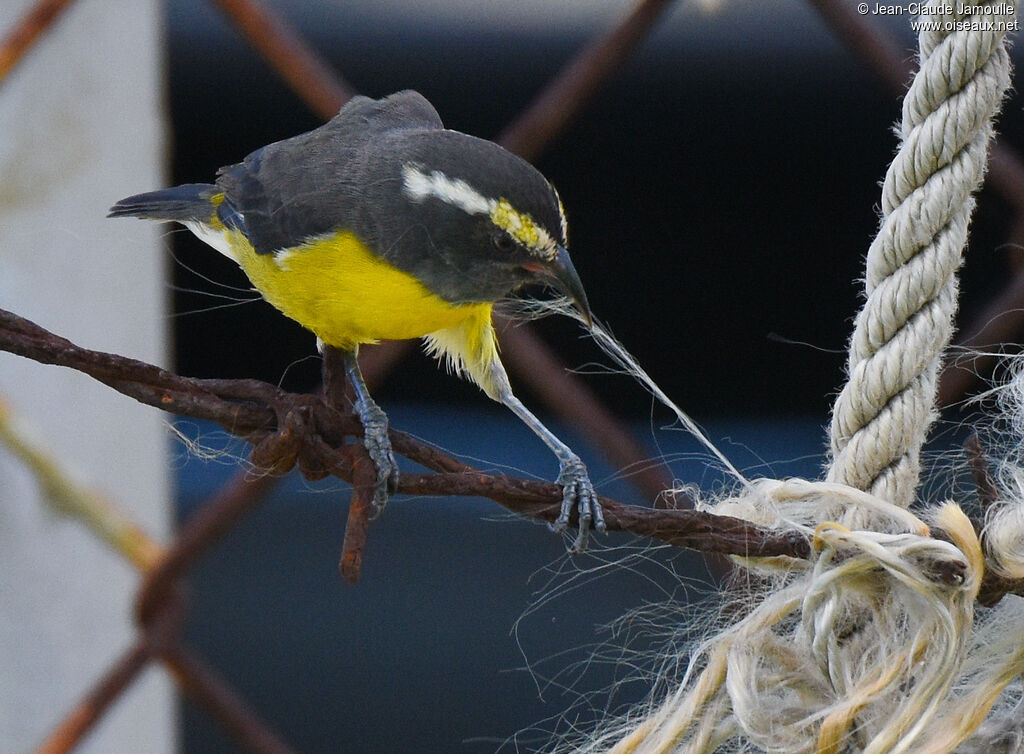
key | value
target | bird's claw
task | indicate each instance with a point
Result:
(378, 446)
(578, 492)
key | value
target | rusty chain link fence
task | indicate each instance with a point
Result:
(160, 610)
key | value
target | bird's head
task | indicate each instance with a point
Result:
(491, 222)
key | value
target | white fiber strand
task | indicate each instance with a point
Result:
(872, 644)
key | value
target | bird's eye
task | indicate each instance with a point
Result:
(503, 242)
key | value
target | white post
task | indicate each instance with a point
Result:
(81, 125)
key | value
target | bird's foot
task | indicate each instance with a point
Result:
(578, 492)
(378, 446)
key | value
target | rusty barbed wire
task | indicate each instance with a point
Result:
(274, 421)
(290, 430)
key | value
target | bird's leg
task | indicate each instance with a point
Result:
(577, 489)
(375, 434)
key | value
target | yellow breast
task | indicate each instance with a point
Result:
(339, 290)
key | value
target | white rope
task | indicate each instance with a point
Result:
(881, 417)
(872, 645)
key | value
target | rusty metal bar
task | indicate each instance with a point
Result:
(161, 618)
(334, 382)
(213, 693)
(563, 99)
(376, 361)
(163, 630)
(530, 359)
(200, 532)
(81, 720)
(893, 66)
(360, 512)
(24, 34)
(306, 72)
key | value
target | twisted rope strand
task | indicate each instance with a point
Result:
(866, 649)
(883, 413)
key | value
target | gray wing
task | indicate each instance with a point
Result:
(309, 185)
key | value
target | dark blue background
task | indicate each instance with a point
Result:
(429, 652)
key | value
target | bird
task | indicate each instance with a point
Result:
(381, 224)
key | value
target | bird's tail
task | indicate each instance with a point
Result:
(191, 202)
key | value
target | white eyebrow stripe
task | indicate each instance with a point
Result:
(419, 185)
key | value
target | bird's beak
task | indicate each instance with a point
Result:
(563, 276)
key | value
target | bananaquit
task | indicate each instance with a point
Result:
(383, 225)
